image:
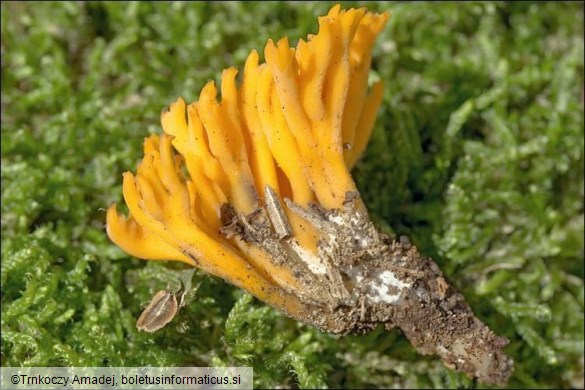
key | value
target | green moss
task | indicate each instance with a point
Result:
(477, 156)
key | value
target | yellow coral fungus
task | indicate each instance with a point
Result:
(256, 188)
(283, 129)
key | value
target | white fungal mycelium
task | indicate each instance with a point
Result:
(381, 285)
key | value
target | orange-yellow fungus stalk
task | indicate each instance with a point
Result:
(255, 188)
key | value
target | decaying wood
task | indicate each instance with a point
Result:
(361, 278)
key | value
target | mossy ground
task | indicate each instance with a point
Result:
(477, 156)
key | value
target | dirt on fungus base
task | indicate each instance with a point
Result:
(434, 317)
(365, 278)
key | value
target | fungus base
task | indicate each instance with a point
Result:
(364, 278)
